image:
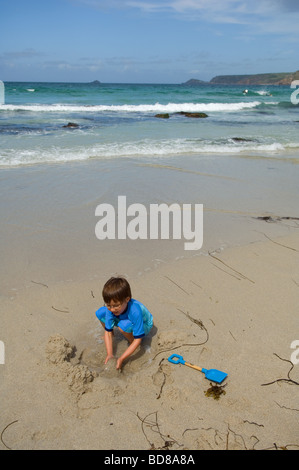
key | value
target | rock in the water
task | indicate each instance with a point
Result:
(162, 116)
(72, 125)
(241, 139)
(192, 115)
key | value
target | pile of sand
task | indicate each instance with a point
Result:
(77, 376)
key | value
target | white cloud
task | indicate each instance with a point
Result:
(279, 16)
(259, 17)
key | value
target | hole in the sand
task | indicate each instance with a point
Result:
(91, 352)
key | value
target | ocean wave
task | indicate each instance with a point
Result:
(263, 93)
(280, 104)
(141, 108)
(142, 149)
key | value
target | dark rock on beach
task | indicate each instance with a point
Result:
(269, 218)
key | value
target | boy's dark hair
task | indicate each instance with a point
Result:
(116, 288)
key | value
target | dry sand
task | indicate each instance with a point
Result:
(235, 310)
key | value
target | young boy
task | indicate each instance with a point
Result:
(131, 317)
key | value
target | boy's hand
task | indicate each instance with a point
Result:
(135, 343)
(107, 359)
(119, 363)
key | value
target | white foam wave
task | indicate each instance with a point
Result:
(263, 93)
(139, 149)
(141, 108)
(292, 145)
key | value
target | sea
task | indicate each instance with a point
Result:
(67, 148)
(118, 120)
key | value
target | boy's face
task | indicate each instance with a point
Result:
(117, 307)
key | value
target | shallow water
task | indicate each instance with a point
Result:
(118, 120)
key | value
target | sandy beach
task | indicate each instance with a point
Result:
(235, 310)
(231, 306)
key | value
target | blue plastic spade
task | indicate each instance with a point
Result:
(212, 374)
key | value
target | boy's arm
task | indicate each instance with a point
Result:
(133, 346)
(108, 338)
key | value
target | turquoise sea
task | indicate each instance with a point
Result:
(118, 120)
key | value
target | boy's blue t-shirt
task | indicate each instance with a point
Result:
(139, 316)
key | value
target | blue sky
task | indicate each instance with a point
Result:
(146, 41)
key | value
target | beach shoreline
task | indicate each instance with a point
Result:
(234, 310)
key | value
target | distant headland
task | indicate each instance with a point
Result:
(257, 79)
(95, 82)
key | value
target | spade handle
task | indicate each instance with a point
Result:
(193, 367)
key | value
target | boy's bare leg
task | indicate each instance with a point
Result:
(128, 336)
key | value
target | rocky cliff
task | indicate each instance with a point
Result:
(284, 78)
